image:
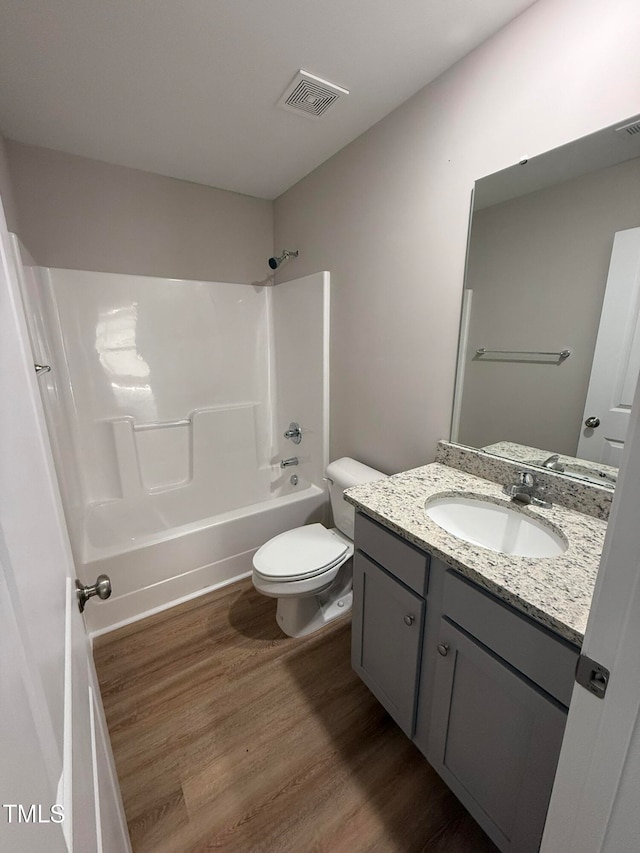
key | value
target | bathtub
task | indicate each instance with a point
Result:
(152, 572)
(167, 403)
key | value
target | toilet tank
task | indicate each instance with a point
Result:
(342, 474)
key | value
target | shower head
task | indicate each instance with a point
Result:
(274, 263)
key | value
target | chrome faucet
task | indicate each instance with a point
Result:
(527, 490)
(294, 433)
(553, 463)
(285, 463)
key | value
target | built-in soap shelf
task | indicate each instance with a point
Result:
(158, 456)
(161, 425)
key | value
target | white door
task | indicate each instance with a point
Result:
(29, 764)
(616, 361)
(56, 762)
(594, 805)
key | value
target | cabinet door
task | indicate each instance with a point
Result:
(388, 621)
(495, 740)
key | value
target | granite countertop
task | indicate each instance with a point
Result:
(602, 475)
(555, 591)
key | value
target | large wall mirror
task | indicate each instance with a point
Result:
(549, 350)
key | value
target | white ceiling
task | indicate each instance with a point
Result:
(189, 88)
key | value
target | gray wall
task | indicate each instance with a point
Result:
(77, 213)
(538, 270)
(388, 214)
(6, 189)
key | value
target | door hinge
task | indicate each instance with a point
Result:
(592, 675)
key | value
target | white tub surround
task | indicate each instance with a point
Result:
(167, 402)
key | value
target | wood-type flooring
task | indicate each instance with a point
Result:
(229, 736)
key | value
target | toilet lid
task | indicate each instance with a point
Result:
(300, 553)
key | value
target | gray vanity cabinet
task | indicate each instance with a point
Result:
(388, 621)
(494, 739)
(481, 688)
(390, 579)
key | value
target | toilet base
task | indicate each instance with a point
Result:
(298, 617)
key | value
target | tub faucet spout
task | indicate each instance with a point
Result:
(285, 463)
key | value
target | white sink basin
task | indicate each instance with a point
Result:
(497, 527)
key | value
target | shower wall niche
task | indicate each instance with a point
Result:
(166, 405)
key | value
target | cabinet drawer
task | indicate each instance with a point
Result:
(548, 660)
(408, 564)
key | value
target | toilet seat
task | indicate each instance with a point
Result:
(301, 553)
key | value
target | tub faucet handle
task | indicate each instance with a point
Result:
(294, 432)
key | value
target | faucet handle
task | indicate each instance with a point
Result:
(526, 478)
(294, 433)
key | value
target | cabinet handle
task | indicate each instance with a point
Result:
(409, 620)
(443, 648)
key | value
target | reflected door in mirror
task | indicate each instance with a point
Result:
(616, 361)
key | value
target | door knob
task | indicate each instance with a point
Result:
(592, 422)
(101, 588)
(443, 649)
(409, 620)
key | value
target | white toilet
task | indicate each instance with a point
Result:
(309, 569)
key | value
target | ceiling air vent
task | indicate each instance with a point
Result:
(310, 95)
(631, 129)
